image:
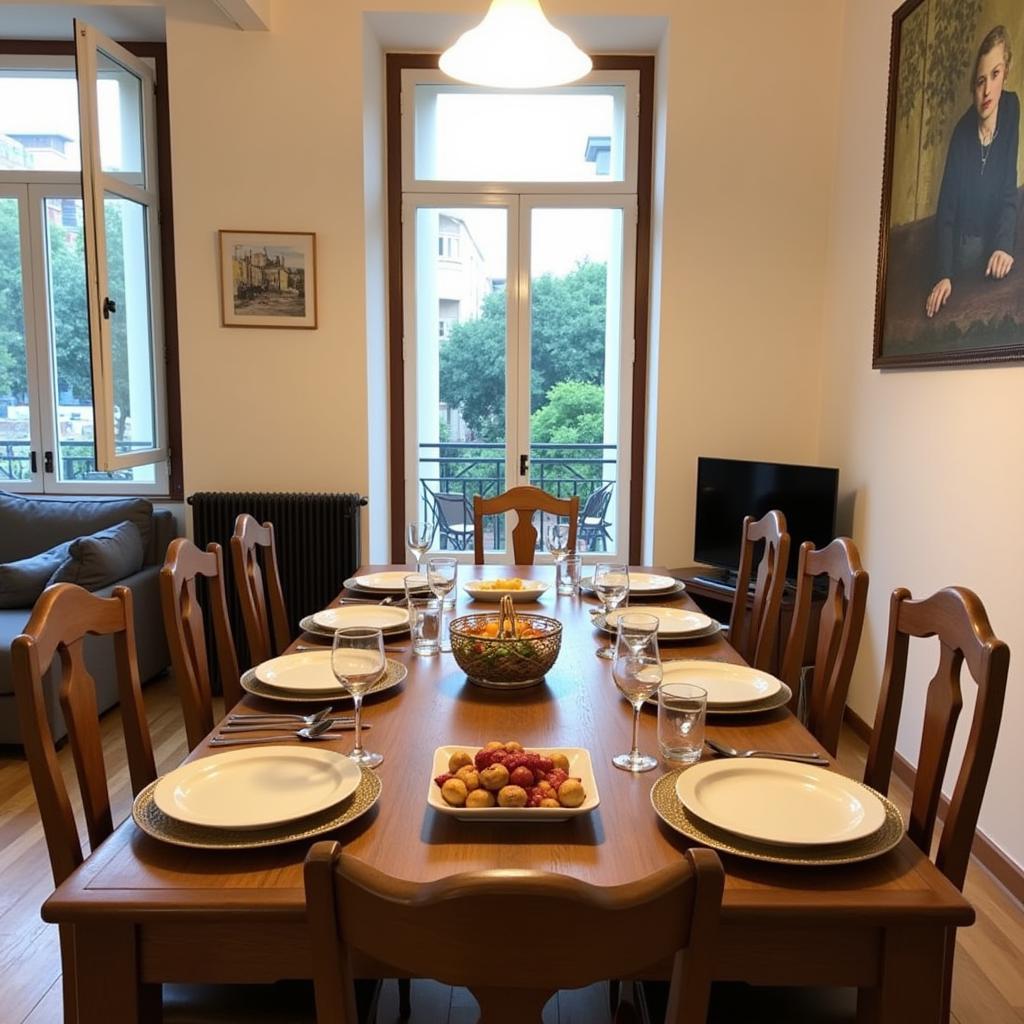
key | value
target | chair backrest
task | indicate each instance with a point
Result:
(839, 628)
(186, 636)
(566, 933)
(59, 623)
(957, 617)
(596, 506)
(263, 610)
(524, 501)
(755, 636)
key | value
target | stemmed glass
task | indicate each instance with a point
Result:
(611, 584)
(558, 541)
(442, 573)
(637, 673)
(418, 536)
(357, 660)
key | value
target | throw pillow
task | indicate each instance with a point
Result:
(23, 581)
(102, 558)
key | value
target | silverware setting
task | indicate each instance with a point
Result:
(726, 751)
(322, 730)
(240, 727)
(317, 716)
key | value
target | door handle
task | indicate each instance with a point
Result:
(47, 462)
(524, 464)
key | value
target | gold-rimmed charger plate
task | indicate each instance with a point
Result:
(166, 829)
(670, 809)
(777, 700)
(394, 674)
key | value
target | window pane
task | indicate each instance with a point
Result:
(572, 134)
(119, 97)
(460, 362)
(69, 341)
(575, 349)
(39, 120)
(15, 428)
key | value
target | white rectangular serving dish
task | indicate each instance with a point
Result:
(579, 767)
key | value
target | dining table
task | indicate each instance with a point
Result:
(145, 912)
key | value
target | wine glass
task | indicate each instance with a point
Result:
(558, 540)
(637, 673)
(611, 584)
(357, 660)
(418, 536)
(442, 572)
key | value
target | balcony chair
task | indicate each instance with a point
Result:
(594, 522)
(755, 637)
(186, 637)
(453, 515)
(525, 502)
(567, 934)
(263, 610)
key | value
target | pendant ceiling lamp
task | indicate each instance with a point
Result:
(515, 47)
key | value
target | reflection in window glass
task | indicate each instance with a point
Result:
(15, 426)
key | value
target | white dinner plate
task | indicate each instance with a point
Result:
(530, 591)
(310, 672)
(383, 617)
(257, 787)
(673, 622)
(726, 684)
(384, 582)
(780, 801)
(580, 768)
(649, 582)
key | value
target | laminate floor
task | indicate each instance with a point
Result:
(988, 984)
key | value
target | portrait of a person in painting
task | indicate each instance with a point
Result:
(976, 216)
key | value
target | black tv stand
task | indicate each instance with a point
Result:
(723, 579)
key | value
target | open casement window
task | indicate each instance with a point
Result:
(121, 219)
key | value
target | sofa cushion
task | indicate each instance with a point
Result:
(23, 581)
(102, 558)
(30, 525)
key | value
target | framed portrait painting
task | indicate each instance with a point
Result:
(268, 279)
(951, 252)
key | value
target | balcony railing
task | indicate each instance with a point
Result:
(77, 460)
(459, 470)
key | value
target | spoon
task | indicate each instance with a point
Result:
(724, 751)
(311, 732)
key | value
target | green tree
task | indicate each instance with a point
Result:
(12, 318)
(568, 328)
(574, 414)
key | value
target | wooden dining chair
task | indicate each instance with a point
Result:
(839, 630)
(755, 636)
(525, 501)
(184, 565)
(62, 618)
(259, 589)
(553, 932)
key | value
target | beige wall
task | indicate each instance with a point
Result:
(931, 457)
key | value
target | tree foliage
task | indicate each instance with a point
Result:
(573, 414)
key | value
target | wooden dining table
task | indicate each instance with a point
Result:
(144, 912)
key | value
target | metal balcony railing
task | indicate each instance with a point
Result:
(77, 460)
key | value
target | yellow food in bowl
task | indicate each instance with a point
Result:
(502, 584)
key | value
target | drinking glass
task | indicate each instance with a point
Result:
(416, 585)
(418, 536)
(425, 624)
(637, 673)
(357, 660)
(682, 708)
(567, 575)
(441, 576)
(558, 541)
(611, 584)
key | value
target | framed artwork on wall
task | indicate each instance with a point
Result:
(951, 249)
(268, 279)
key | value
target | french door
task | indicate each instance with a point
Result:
(518, 359)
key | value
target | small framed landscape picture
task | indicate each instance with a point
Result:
(268, 278)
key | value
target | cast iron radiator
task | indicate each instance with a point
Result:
(317, 541)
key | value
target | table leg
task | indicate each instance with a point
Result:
(107, 977)
(913, 986)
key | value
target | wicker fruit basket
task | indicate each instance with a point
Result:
(506, 650)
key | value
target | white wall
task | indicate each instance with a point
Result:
(933, 456)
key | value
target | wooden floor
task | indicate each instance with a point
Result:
(988, 985)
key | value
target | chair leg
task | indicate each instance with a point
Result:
(404, 998)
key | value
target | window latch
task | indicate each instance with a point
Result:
(109, 306)
(524, 464)
(47, 462)
(33, 462)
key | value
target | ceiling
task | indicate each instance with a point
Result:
(43, 21)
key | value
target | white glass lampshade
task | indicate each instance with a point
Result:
(515, 47)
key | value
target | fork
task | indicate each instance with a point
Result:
(726, 751)
(332, 724)
(317, 716)
(310, 733)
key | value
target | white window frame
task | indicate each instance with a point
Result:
(629, 79)
(97, 184)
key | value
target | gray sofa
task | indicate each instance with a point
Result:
(29, 526)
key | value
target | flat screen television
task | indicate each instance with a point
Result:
(729, 489)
